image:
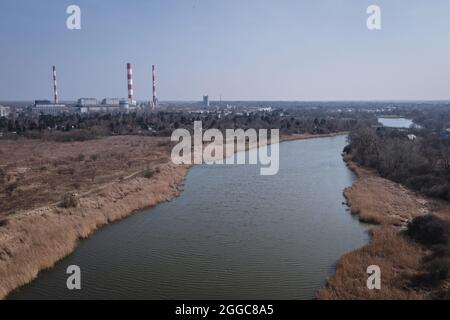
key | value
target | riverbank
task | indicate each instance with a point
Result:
(111, 178)
(389, 207)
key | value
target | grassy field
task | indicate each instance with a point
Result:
(37, 173)
(63, 192)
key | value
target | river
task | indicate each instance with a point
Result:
(231, 234)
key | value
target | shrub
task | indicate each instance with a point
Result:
(149, 173)
(75, 135)
(438, 270)
(443, 294)
(423, 182)
(434, 272)
(10, 188)
(430, 185)
(429, 230)
(2, 176)
(76, 185)
(3, 222)
(434, 233)
(347, 149)
(70, 200)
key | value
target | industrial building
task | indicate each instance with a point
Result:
(84, 102)
(88, 105)
(100, 108)
(46, 107)
(4, 111)
(115, 105)
(111, 101)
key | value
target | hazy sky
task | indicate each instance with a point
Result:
(242, 49)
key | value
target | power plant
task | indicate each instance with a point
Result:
(88, 105)
(47, 107)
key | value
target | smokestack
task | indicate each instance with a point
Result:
(55, 86)
(130, 82)
(155, 101)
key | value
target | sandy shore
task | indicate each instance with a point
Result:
(34, 239)
(388, 206)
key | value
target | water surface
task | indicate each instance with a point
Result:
(232, 234)
(396, 122)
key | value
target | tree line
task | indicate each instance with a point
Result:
(421, 162)
(76, 127)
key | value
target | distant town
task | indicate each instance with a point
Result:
(94, 105)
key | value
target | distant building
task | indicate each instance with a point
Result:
(84, 102)
(124, 104)
(47, 107)
(50, 108)
(412, 137)
(111, 101)
(100, 109)
(4, 111)
(206, 101)
(108, 105)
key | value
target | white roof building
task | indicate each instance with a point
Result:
(4, 111)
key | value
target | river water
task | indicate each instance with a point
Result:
(232, 234)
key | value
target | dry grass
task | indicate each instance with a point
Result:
(43, 172)
(35, 239)
(398, 258)
(379, 201)
(389, 206)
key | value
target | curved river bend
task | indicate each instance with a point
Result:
(232, 234)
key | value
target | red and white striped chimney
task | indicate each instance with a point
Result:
(154, 87)
(130, 82)
(55, 86)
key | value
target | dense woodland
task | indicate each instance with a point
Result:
(72, 127)
(422, 164)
